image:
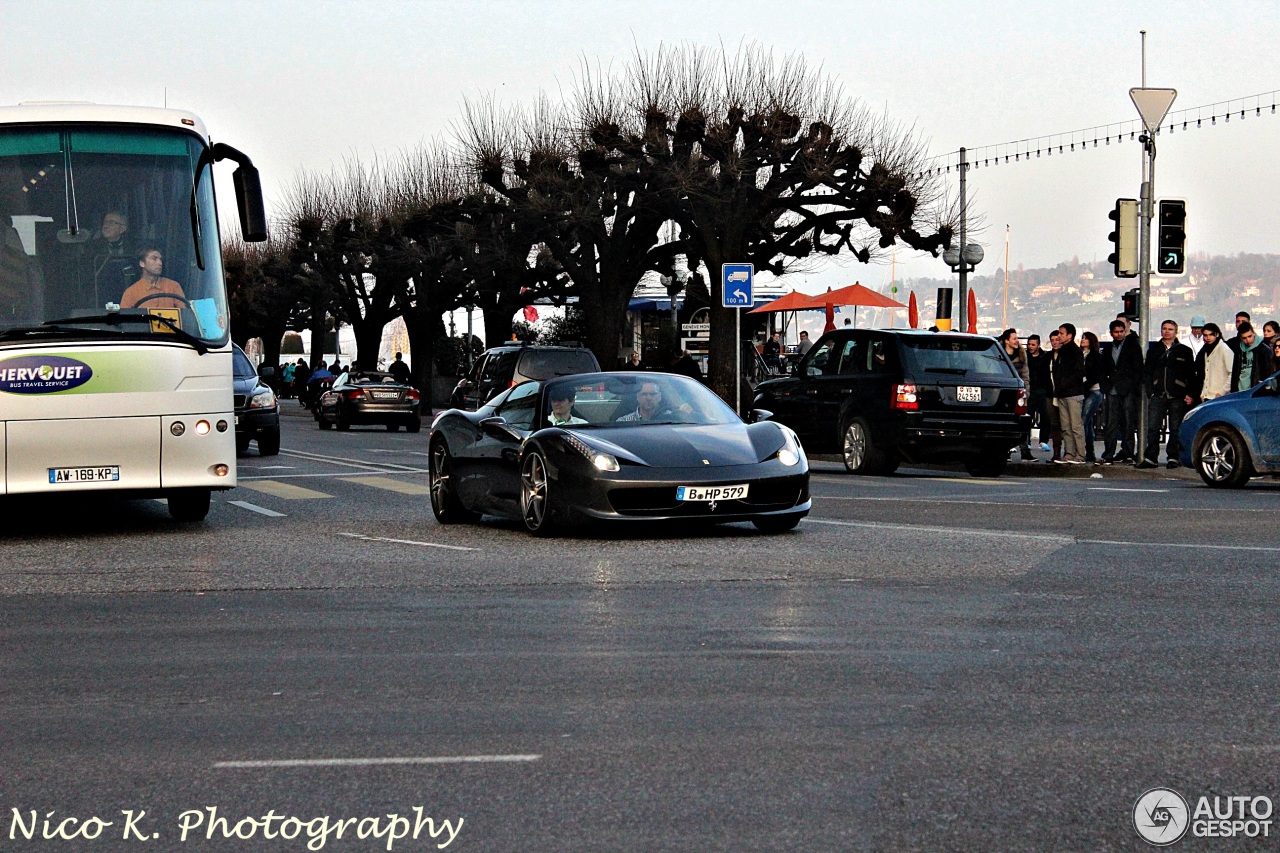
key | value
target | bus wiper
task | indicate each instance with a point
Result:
(31, 331)
(954, 371)
(115, 319)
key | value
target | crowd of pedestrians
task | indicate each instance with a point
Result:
(1083, 390)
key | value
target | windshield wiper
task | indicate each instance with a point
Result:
(114, 319)
(954, 371)
(31, 331)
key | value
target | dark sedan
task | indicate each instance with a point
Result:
(369, 397)
(616, 447)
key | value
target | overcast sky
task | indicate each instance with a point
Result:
(299, 85)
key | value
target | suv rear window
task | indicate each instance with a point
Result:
(939, 356)
(547, 364)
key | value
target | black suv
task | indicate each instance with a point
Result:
(882, 396)
(500, 368)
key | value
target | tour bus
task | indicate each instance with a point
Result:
(115, 352)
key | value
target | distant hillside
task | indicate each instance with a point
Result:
(1089, 296)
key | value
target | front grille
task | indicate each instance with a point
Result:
(661, 500)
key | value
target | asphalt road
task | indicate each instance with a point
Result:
(930, 662)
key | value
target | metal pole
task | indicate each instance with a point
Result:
(737, 373)
(964, 273)
(469, 338)
(1004, 309)
(1144, 279)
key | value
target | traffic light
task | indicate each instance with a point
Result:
(1124, 257)
(1171, 237)
(1131, 304)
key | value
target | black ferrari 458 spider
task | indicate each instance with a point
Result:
(615, 447)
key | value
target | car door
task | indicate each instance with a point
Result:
(1262, 411)
(793, 401)
(495, 457)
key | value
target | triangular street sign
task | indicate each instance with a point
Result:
(1152, 104)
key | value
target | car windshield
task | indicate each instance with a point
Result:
(242, 367)
(632, 400)
(948, 356)
(103, 233)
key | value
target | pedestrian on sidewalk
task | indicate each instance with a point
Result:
(1038, 387)
(1093, 371)
(1013, 349)
(1214, 364)
(1169, 372)
(1122, 372)
(1067, 370)
(1253, 360)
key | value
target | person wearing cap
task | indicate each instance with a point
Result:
(1195, 338)
(562, 400)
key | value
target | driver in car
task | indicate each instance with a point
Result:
(562, 400)
(153, 289)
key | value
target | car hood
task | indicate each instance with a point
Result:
(689, 446)
(245, 385)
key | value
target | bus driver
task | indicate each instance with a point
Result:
(150, 290)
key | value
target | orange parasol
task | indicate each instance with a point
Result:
(913, 312)
(973, 313)
(855, 295)
(793, 301)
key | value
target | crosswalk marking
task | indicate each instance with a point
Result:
(391, 485)
(261, 510)
(287, 491)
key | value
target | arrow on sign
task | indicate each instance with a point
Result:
(740, 296)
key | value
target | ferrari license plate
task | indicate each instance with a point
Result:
(105, 474)
(711, 493)
(969, 394)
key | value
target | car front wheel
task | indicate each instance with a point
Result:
(446, 506)
(1222, 458)
(535, 507)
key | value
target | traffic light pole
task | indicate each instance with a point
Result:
(1144, 277)
(964, 267)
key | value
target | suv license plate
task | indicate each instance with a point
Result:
(105, 474)
(711, 493)
(969, 394)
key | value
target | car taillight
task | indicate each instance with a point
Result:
(1021, 407)
(412, 394)
(905, 397)
(353, 395)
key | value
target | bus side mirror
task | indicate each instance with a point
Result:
(253, 212)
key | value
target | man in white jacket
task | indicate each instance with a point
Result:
(1217, 359)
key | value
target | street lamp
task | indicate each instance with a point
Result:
(964, 262)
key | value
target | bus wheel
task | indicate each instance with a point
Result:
(188, 504)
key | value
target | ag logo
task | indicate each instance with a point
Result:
(1160, 816)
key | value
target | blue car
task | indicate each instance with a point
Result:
(1235, 437)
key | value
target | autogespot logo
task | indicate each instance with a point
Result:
(42, 374)
(1160, 816)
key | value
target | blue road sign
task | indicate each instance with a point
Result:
(736, 281)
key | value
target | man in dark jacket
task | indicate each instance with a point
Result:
(1122, 384)
(1067, 373)
(1169, 374)
(1254, 362)
(1038, 387)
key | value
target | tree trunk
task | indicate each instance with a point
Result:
(422, 334)
(497, 323)
(368, 343)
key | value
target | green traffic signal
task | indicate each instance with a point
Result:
(1171, 237)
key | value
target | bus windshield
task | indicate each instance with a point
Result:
(105, 232)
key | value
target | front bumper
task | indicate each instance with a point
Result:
(636, 493)
(254, 422)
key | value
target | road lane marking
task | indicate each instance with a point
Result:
(397, 452)
(363, 464)
(273, 467)
(364, 538)
(1121, 489)
(949, 531)
(331, 475)
(283, 490)
(377, 762)
(1014, 503)
(1039, 537)
(392, 485)
(261, 510)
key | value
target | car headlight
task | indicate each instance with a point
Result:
(264, 399)
(601, 460)
(790, 454)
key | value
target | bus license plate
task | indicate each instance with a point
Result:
(711, 493)
(969, 394)
(105, 474)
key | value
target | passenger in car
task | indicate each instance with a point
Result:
(562, 400)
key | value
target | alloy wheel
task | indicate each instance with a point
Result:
(1218, 458)
(533, 492)
(855, 446)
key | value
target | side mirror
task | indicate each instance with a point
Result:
(497, 427)
(249, 202)
(267, 372)
(756, 415)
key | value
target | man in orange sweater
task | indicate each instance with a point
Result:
(153, 290)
